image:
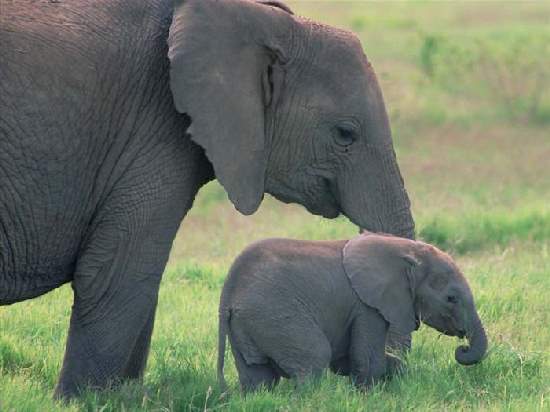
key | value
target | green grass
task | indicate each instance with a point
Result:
(475, 161)
(510, 291)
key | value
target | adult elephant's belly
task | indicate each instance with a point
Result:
(41, 226)
(52, 184)
(32, 281)
(43, 167)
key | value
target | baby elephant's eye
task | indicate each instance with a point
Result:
(452, 299)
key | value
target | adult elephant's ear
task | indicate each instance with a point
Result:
(226, 62)
(381, 270)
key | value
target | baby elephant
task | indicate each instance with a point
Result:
(293, 308)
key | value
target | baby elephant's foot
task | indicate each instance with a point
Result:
(366, 383)
(394, 365)
(369, 379)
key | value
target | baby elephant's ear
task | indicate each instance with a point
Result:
(381, 272)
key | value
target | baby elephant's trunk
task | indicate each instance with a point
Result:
(477, 339)
(223, 328)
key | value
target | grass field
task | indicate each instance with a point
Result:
(467, 87)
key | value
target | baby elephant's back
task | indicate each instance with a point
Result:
(289, 276)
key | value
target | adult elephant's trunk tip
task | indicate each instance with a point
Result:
(477, 348)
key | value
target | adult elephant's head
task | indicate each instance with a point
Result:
(289, 107)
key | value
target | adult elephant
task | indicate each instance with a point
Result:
(115, 112)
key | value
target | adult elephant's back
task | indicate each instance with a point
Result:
(85, 98)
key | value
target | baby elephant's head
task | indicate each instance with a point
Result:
(409, 281)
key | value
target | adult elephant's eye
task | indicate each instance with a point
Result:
(344, 136)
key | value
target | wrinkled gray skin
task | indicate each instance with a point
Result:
(294, 308)
(113, 113)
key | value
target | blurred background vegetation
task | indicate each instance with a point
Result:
(467, 87)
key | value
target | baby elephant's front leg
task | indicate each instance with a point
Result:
(367, 348)
(394, 365)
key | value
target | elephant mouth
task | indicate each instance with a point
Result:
(447, 328)
(318, 199)
(327, 205)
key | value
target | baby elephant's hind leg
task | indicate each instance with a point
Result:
(305, 356)
(253, 376)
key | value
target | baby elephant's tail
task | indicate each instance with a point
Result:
(223, 329)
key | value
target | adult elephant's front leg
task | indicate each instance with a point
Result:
(116, 287)
(111, 322)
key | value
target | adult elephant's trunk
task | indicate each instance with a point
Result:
(477, 339)
(376, 199)
(370, 189)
